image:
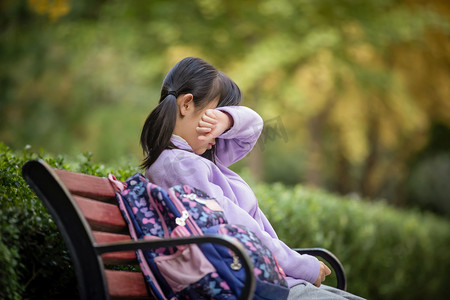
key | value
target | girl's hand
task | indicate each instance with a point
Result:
(324, 272)
(213, 123)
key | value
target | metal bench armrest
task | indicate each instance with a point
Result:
(332, 260)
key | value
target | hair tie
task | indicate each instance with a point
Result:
(174, 93)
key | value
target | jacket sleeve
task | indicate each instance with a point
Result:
(298, 266)
(235, 143)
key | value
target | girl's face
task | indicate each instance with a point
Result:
(187, 124)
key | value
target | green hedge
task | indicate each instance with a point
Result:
(34, 261)
(387, 253)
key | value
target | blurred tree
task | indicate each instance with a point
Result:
(337, 73)
(55, 9)
(429, 173)
(356, 84)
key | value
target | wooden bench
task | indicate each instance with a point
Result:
(86, 213)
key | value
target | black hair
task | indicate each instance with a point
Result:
(191, 75)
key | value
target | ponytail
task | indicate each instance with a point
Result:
(158, 128)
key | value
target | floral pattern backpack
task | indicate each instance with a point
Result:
(204, 271)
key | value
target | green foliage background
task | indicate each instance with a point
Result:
(354, 95)
(387, 253)
(359, 86)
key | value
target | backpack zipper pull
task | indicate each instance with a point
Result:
(193, 197)
(236, 265)
(181, 221)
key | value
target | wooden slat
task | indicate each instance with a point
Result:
(86, 185)
(115, 258)
(107, 237)
(126, 285)
(106, 221)
(101, 216)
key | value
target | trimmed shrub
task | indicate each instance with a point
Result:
(387, 253)
(34, 261)
(32, 251)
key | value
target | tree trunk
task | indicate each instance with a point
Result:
(342, 175)
(256, 164)
(315, 127)
(367, 188)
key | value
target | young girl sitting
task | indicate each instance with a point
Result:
(194, 134)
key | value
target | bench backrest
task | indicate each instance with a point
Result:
(85, 210)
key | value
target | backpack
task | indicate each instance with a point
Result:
(204, 271)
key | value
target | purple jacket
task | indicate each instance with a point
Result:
(183, 166)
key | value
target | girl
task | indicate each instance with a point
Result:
(194, 134)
